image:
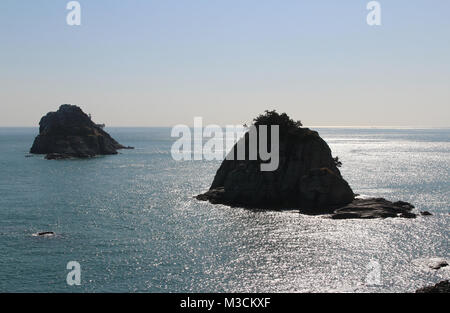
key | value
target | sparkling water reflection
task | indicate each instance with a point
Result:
(131, 222)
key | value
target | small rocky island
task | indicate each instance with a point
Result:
(70, 133)
(307, 178)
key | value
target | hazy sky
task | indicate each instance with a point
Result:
(160, 63)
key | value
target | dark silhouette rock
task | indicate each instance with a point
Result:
(441, 287)
(374, 208)
(307, 178)
(425, 213)
(307, 175)
(69, 132)
(46, 233)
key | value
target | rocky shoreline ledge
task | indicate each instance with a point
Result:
(441, 287)
(307, 178)
(70, 133)
(374, 208)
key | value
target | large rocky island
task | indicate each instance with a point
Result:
(70, 133)
(307, 178)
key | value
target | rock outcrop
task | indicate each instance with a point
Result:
(307, 175)
(374, 208)
(69, 132)
(441, 287)
(44, 234)
(437, 263)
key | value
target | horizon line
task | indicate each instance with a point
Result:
(310, 126)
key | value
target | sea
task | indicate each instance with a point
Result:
(131, 223)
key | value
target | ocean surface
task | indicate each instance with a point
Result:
(131, 221)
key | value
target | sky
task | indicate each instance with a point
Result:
(161, 63)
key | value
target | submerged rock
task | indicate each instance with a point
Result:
(44, 234)
(431, 263)
(441, 287)
(374, 208)
(69, 132)
(438, 265)
(307, 175)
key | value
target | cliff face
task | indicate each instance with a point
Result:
(69, 132)
(307, 177)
